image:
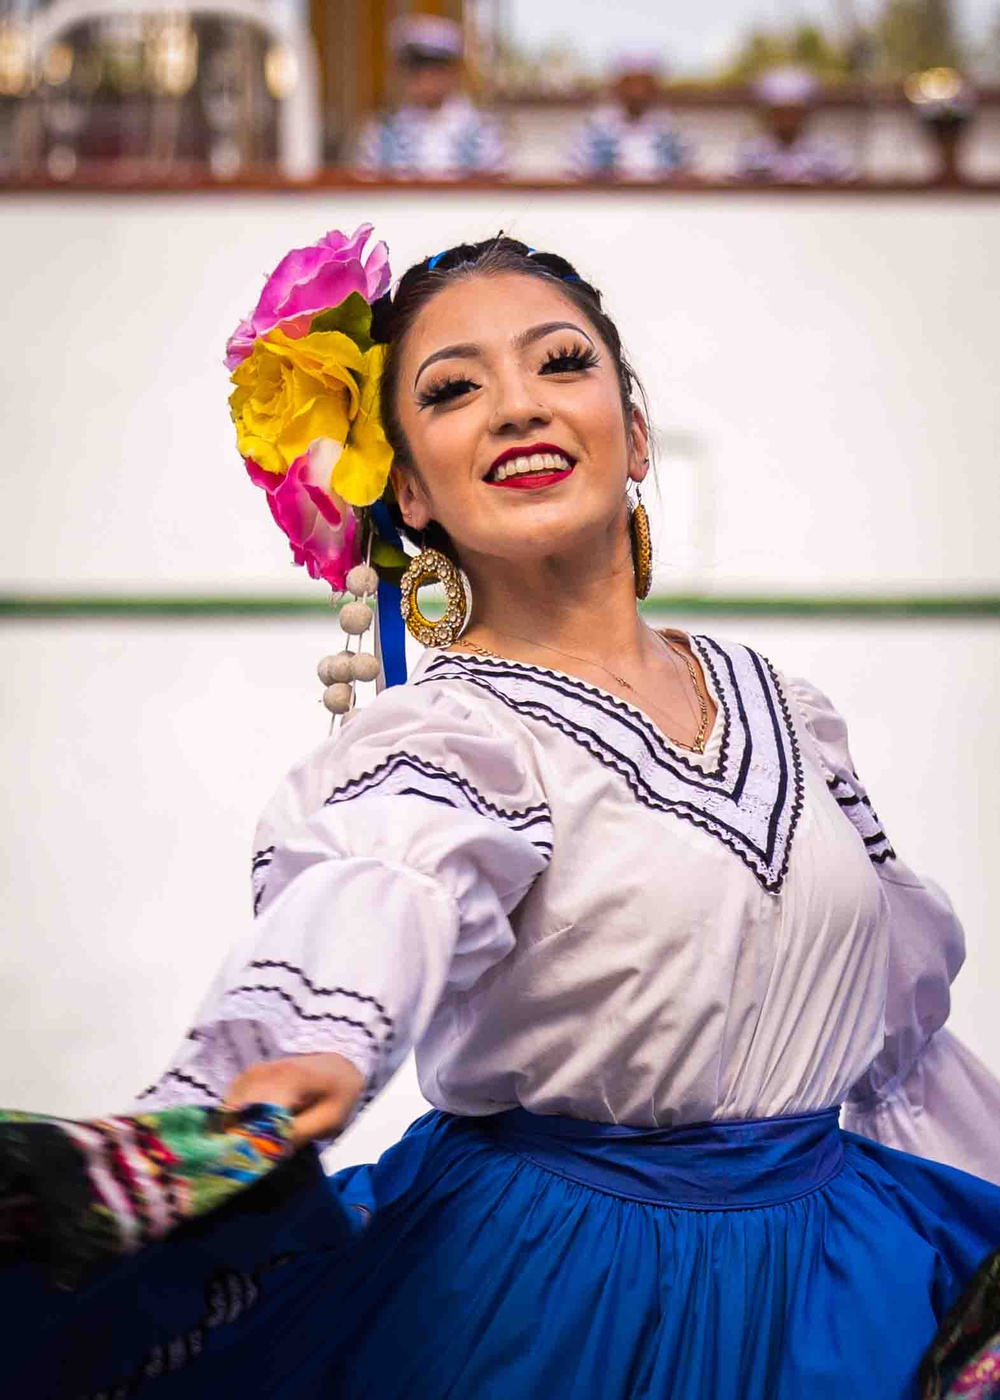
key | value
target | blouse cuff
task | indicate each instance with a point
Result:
(947, 1109)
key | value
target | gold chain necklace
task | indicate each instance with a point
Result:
(698, 743)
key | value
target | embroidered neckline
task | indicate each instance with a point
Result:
(750, 799)
(718, 736)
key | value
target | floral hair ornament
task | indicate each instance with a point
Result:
(306, 404)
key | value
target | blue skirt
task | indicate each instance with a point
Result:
(523, 1256)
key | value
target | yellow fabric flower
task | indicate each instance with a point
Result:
(362, 469)
(290, 392)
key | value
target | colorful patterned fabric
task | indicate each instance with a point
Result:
(76, 1193)
(526, 1255)
(964, 1361)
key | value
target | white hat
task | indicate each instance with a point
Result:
(636, 60)
(428, 36)
(787, 85)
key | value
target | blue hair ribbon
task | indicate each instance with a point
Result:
(388, 618)
(433, 262)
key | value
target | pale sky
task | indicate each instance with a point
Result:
(691, 36)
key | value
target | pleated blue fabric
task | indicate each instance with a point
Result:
(523, 1256)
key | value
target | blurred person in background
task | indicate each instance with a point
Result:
(784, 152)
(630, 137)
(436, 131)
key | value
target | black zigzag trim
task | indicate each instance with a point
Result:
(304, 1015)
(621, 765)
(853, 801)
(799, 786)
(261, 860)
(857, 808)
(703, 656)
(521, 820)
(434, 770)
(319, 991)
(656, 746)
(182, 1078)
(550, 714)
(786, 807)
(746, 730)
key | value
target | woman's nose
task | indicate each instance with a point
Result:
(516, 407)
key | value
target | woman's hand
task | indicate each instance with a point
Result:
(319, 1091)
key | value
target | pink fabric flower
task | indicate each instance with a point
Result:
(322, 528)
(310, 280)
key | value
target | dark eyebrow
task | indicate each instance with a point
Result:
(468, 351)
(546, 328)
(450, 352)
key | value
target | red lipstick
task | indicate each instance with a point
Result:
(531, 483)
(558, 467)
(528, 449)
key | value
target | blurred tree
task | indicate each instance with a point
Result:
(911, 35)
(804, 45)
(988, 57)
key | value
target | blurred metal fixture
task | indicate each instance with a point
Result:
(121, 51)
(16, 75)
(281, 71)
(226, 90)
(69, 80)
(299, 117)
(57, 65)
(171, 55)
(937, 87)
(945, 102)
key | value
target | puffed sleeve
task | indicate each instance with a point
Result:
(386, 868)
(925, 1092)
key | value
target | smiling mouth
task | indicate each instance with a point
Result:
(530, 465)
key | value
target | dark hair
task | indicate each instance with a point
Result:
(393, 316)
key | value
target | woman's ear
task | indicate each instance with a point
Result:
(410, 498)
(638, 437)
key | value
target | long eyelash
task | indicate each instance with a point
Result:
(444, 391)
(572, 357)
(569, 358)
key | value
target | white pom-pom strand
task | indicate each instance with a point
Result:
(334, 669)
(365, 667)
(338, 698)
(355, 618)
(362, 580)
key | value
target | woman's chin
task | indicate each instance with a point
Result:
(532, 541)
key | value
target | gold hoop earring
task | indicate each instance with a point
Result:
(431, 566)
(642, 548)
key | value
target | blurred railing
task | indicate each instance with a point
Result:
(98, 94)
(36, 607)
(138, 91)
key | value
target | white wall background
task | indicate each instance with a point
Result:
(823, 371)
(825, 368)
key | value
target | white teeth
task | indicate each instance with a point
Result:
(537, 462)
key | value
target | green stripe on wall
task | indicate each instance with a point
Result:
(69, 606)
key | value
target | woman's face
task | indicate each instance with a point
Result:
(512, 411)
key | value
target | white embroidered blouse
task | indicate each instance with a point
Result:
(516, 873)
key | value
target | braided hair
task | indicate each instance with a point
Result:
(394, 314)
